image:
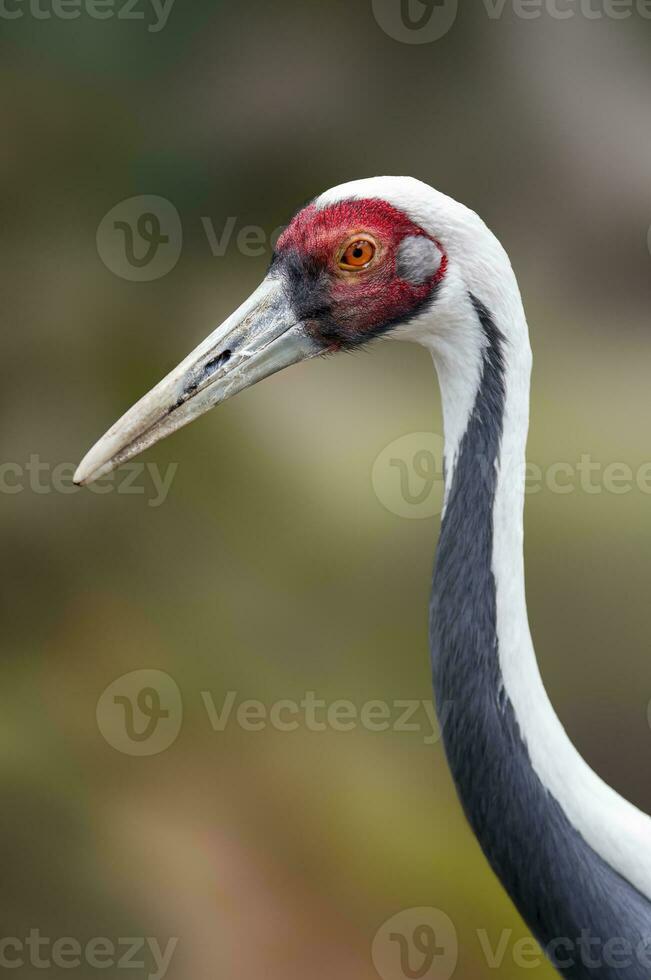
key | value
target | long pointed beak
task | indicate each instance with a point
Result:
(262, 337)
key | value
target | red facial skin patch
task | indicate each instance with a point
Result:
(349, 307)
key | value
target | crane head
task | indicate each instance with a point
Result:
(361, 261)
(354, 269)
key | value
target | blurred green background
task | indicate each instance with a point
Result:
(273, 568)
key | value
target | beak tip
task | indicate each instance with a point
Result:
(80, 478)
(89, 470)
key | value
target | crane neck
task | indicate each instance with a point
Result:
(531, 799)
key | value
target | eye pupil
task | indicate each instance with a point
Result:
(358, 254)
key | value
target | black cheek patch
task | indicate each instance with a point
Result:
(307, 284)
(309, 287)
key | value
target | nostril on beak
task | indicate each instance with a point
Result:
(216, 363)
(210, 368)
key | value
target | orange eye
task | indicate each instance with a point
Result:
(357, 254)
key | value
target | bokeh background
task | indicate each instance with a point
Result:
(273, 568)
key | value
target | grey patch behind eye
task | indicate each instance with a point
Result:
(418, 259)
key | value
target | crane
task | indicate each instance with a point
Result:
(390, 257)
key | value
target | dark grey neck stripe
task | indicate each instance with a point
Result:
(564, 890)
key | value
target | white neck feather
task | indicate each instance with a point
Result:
(613, 827)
